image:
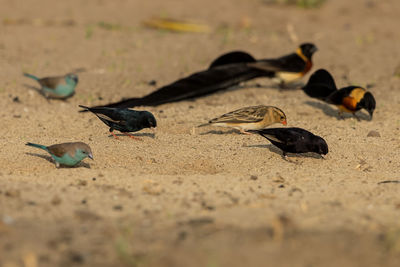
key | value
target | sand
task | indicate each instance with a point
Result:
(196, 196)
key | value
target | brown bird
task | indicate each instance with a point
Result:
(250, 118)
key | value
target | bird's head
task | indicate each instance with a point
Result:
(148, 120)
(307, 49)
(368, 103)
(83, 151)
(71, 78)
(320, 146)
(279, 116)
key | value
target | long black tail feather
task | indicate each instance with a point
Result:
(196, 85)
(320, 85)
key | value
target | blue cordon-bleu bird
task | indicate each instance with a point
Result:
(68, 154)
(59, 87)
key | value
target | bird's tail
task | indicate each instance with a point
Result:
(320, 85)
(232, 57)
(204, 124)
(37, 145)
(31, 76)
(127, 103)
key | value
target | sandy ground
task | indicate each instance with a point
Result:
(206, 196)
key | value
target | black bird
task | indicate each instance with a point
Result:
(124, 120)
(226, 71)
(294, 140)
(348, 99)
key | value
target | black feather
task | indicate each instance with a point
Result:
(320, 85)
(232, 57)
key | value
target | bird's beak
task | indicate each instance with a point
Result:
(322, 156)
(90, 156)
(284, 122)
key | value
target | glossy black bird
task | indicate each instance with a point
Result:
(124, 120)
(226, 71)
(294, 140)
(348, 99)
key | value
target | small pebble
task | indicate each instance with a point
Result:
(254, 177)
(12, 193)
(56, 200)
(373, 134)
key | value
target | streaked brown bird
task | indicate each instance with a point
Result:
(250, 118)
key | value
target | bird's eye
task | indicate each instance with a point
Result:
(282, 118)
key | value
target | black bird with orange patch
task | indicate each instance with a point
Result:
(348, 99)
(227, 71)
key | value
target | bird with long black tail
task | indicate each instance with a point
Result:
(227, 71)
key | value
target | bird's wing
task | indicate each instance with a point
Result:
(244, 115)
(105, 118)
(289, 63)
(285, 136)
(113, 115)
(52, 82)
(58, 150)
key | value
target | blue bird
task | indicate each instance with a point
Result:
(59, 87)
(68, 154)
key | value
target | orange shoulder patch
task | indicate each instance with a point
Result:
(349, 103)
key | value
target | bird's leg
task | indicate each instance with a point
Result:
(340, 114)
(244, 132)
(355, 116)
(116, 137)
(133, 137)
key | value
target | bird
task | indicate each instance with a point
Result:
(289, 68)
(350, 99)
(294, 140)
(226, 71)
(68, 154)
(250, 118)
(58, 87)
(124, 120)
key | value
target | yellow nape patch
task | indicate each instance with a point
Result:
(357, 94)
(300, 54)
